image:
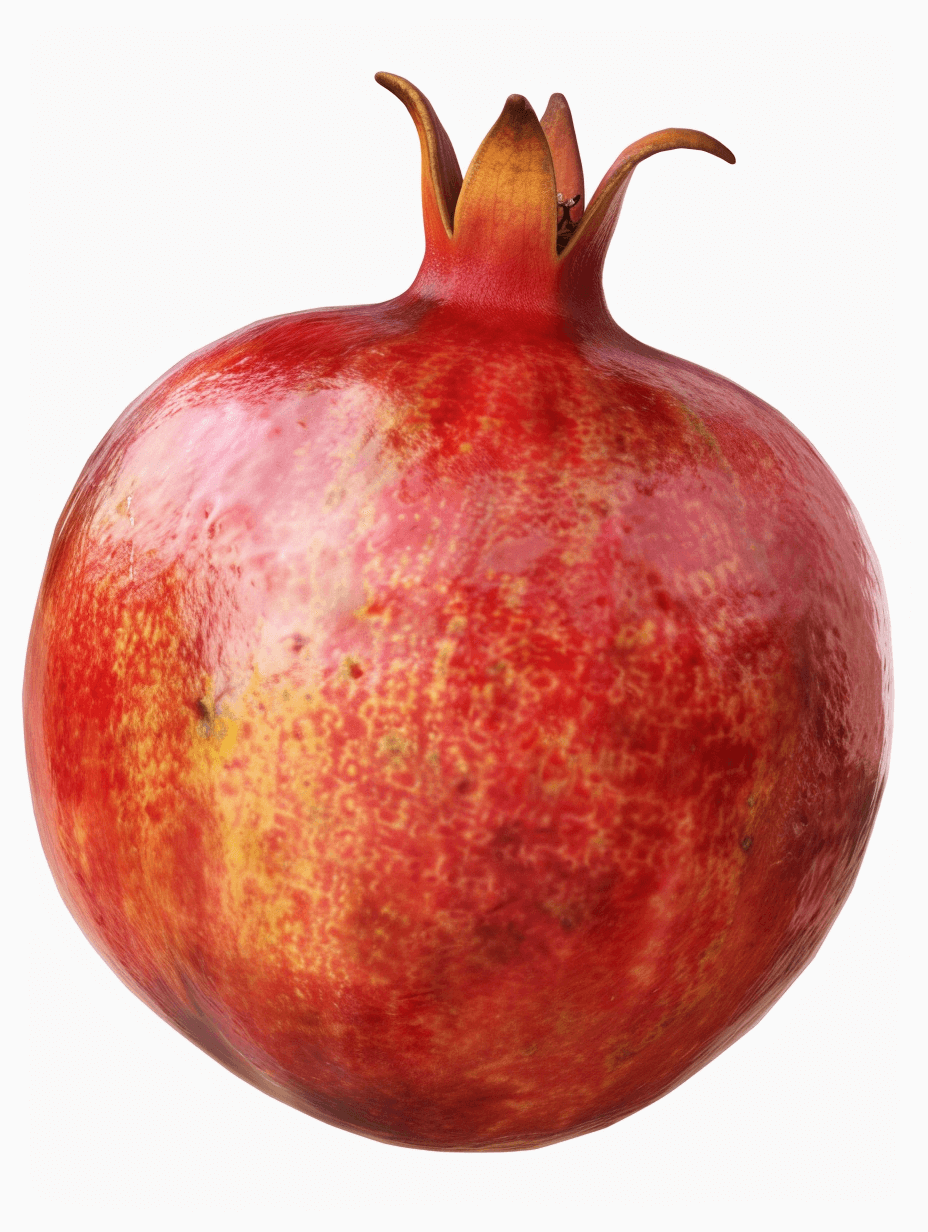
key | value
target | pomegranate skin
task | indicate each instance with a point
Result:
(460, 720)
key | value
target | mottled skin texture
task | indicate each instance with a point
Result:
(463, 730)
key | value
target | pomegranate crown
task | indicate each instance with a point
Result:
(516, 229)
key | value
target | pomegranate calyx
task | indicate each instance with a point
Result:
(441, 174)
(514, 232)
(558, 127)
(505, 214)
(590, 240)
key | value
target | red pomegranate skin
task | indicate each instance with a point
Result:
(459, 719)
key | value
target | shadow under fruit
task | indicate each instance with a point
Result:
(458, 718)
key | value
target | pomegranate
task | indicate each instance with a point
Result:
(459, 719)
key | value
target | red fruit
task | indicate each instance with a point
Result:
(459, 719)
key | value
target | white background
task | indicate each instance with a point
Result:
(174, 180)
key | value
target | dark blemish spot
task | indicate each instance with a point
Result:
(499, 942)
(507, 840)
(355, 670)
(207, 713)
(463, 786)
(747, 843)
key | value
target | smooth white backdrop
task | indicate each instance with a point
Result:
(175, 178)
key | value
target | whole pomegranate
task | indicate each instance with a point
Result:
(457, 718)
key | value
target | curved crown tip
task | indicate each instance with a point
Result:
(393, 82)
(518, 102)
(557, 103)
(715, 147)
(692, 139)
(517, 114)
